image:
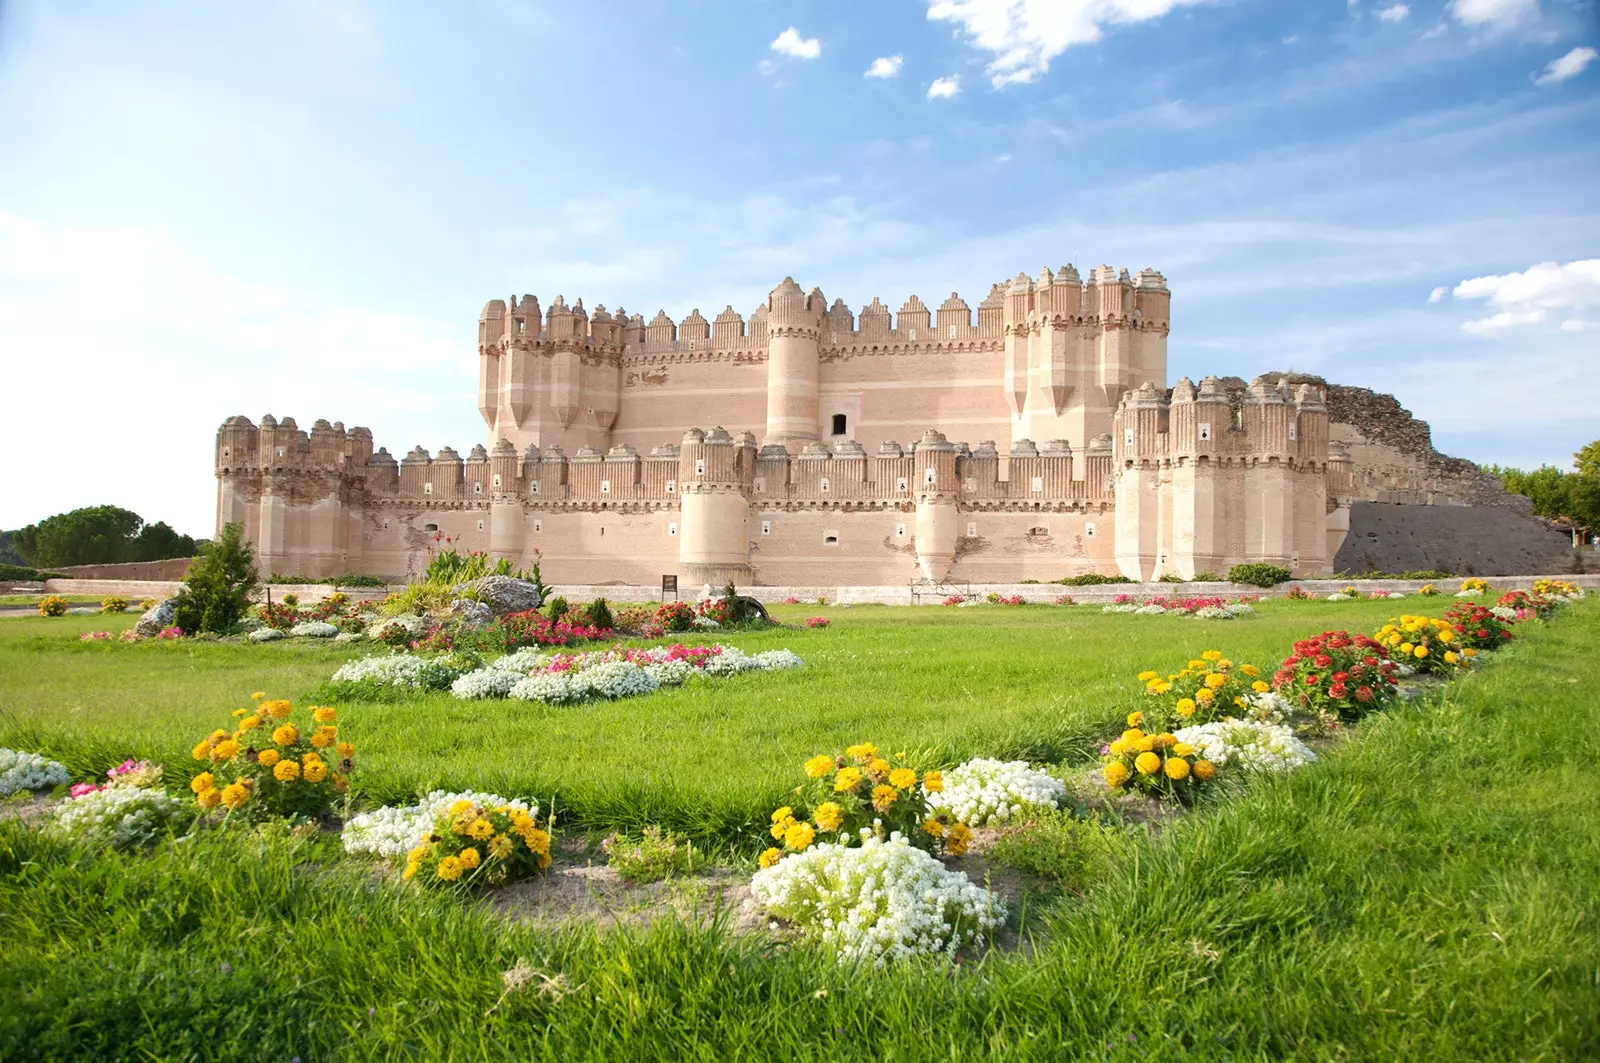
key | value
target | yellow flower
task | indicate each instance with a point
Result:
(311, 756)
(1145, 677)
(277, 709)
(410, 872)
(267, 758)
(799, 836)
(1165, 739)
(226, 749)
(1186, 707)
(1450, 658)
(1132, 734)
(1116, 773)
(323, 737)
(500, 847)
(258, 695)
(1469, 652)
(201, 751)
(828, 815)
(902, 778)
(956, 841)
(1205, 696)
(1260, 687)
(316, 771)
(782, 815)
(345, 749)
(1145, 744)
(1216, 680)
(235, 796)
(323, 715)
(878, 768)
(240, 712)
(287, 735)
(770, 857)
(933, 782)
(1406, 647)
(202, 782)
(1118, 747)
(1135, 719)
(1420, 651)
(449, 869)
(1182, 749)
(458, 807)
(1147, 763)
(249, 723)
(883, 797)
(209, 798)
(286, 771)
(1211, 655)
(1177, 768)
(819, 765)
(1197, 664)
(863, 752)
(847, 779)
(481, 829)
(1204, 769)
(1249, 669)
(538, 841)
(933, 826)
(470, 858)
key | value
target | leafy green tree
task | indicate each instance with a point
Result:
(158, 541)
(216, 592)
(8, 550)
(98, 535)
(1570, 499)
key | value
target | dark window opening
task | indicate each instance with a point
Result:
(838, 424)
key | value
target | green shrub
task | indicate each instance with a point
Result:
(1423, 573)
(291, 600)
(216, 592)
(1172, 577)
(1206, 577)
(649, 857)
(1067, 851)
(555, 608)
(113, 604)
(417, 599)
(1257, 574)
(599, 614)
(1091, 579)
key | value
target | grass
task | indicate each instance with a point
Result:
(1041, 683)
(1425, 891)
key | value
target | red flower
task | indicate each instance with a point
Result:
(1323, 660)
(1336, 691)
(1312, 680)
(1363, 694)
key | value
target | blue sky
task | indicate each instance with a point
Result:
(302, 207)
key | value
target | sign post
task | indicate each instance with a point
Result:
(669, 584)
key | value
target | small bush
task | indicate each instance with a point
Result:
(216, 592)
(650, 857)
(417, 599)
(24, 574)
(53, 605)
(1206, 577)
(113, 605)
(675, 616)
(292, 601)
(1172, 577)
(1091, 579)
(555, 608)
(598, 614)
(1259, 575)
(1068, 852)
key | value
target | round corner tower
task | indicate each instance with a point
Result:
(794, 332)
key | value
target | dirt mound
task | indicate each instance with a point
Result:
(1468, 540)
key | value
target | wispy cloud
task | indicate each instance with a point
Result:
(1494, 14)
(1531, 296)
(944, 88)
(886, 66)
(1567, 66)
(1394, 13)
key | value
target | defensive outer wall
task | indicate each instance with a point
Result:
(1086, 460)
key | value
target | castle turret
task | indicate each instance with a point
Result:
(793, 354)
(937, 490)
(1140, 447)
(714, 515)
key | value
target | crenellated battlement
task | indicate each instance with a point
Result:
(1270, 420)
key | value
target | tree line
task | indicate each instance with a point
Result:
(1569, 498)
(96, 535)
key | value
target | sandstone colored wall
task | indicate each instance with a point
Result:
(172, 569)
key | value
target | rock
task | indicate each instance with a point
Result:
(471, 613)
(502, 594)
(753, 607)
(157, 617)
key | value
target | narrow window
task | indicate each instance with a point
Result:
(1291, 431)
(900, 531)
(972, 529)
(477, 487)
(430, 527)
(672, 529)
(1088, 529)
(823, 485)
(672, 487)
(497, 481)
(480, 525)
(930, 476)
(838, 424)
(902, 484)
(700, 467)
(952, 332)
(1127, 437)
(538, 525)
(761, 485)
(766, 527)
(427, 488)
(533, 487)
(913, 335)
(1205, 430)
(830, 538)
(605, 487)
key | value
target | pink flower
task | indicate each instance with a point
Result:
(79, 789)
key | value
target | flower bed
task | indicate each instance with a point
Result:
(21, 771)
(117, 816)
(473, 841)
(393, 831)
(1338, 673)
(376, 677)
(983, 791)
(1201, 608)
(1425, 644)
(563, 679)
(881, 901)
(272, 766)
(1248, 745)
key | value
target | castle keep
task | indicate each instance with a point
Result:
(807, 444)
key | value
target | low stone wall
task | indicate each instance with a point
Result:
(171, 569)
(137, 590)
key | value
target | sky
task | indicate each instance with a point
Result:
(301, 207)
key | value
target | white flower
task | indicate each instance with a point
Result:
(1504, 612)
(878, 902)
(705, 623)
(992, 791)
(522, 661)
(1251, 745)
(1150, 610)
(1467, 594)
(549, 687)
(28, 771)
(1339, 596)
(265, 634)
(349, 636)
(118, 816)
(778, 660)
(315, 629)
(394, 831)
(405, 670)
(484, 683)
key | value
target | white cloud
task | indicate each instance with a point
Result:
(944, 88)
(1394, 13)
(1496, 14)
(1438, 293)
(1569, 65)
(1527, 298)
(1573, 324)
(1003, 157)
(1024, 35)
(886, 66)
(790, 43)
(1438, 31)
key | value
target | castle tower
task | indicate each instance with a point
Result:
(937, 489)
(1140, 443)
(714, 515)
(793, 357)
(505, 502)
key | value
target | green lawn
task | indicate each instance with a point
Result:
(1425, 891)
(1042, 683)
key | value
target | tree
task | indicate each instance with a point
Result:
(8, 550)
(216, 592)
(99, 535)
(1570, 499)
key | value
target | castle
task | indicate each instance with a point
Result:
(808, 445)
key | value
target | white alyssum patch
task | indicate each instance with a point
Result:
(118, 816)
(881, 901)
(265, 634)
(21, 771)
(1123, 608)
(994, 791)
(552, 688)
(705, 623)
(485, 683)
(521, 661)
(1468, 594)
(314, 629)
(394, 830)
(1250, 745)
(778, 660)
(1504, 612)
(1340, 596)
(405, 670)
(617, 679)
